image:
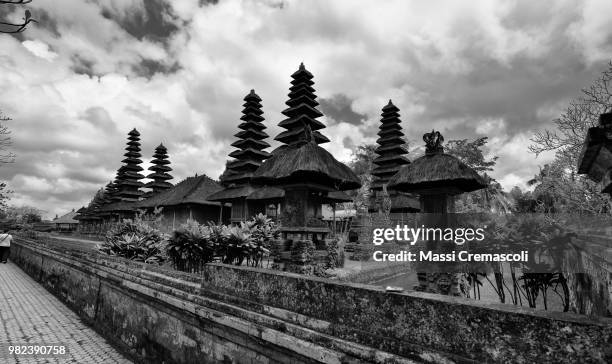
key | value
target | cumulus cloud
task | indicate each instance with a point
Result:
(78, 81)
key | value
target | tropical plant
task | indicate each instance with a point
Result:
(238, 244)
(548, 243)
(191, 246)
(135, 240)
(263, 232)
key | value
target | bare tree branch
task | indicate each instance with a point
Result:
(17, 27)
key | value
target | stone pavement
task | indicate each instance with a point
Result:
(30, 315)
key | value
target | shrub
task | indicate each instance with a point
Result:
(135, 240)
(191, 246)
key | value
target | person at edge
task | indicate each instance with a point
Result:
(5, 246)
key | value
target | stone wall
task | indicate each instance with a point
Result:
(250, 315)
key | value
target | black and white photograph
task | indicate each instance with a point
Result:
(305, 181)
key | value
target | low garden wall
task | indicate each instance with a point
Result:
(250, 315)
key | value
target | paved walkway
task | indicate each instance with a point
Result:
(32, 316)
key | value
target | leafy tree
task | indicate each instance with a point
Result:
(492, 198)
(23, 214)
(5, 141)
(557, 184)
(362, 164)
(16, 27)
(6, 156)
(471, 153)
(558, 189)
(4, 196)
(567, 137)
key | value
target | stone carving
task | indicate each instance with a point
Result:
(433, 142)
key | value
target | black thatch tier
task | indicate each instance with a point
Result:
(243, 165)
(131, 160)
(305, 163)
(133, 175)
(250, 143)
(252, 121)
(389, 130)
(249, 153)
(248, 192)
(290, 136)
(133, 147)
(252, 109)
(337, 196)
(391, 159)
(251, 134)
(436, 173)
(157, 167)
(158, 185)
(396, 149)
(301, 120)
(160, 160)
(266, 193)
(400, 202)
(230, 194)
(160, 176)
(233, 177)
(395, 138)
(123, 206)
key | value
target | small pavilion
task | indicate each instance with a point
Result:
(310, 177)
(437, 177)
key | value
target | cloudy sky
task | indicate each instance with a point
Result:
(90, 71)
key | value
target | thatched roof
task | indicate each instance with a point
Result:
(401, 202)
(117, 207)
(337, 196)
(231, 193)
(192, 190)
(436, 171)
(69, 218)
(266, 193)
(305, 162)
(248, 192)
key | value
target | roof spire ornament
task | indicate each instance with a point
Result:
(433, 142)
(308, 134)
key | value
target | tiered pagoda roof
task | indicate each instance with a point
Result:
(160, 169)
(302, 110)
(391, 147)
(251, 144)
(129, 183)
(110, 193)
